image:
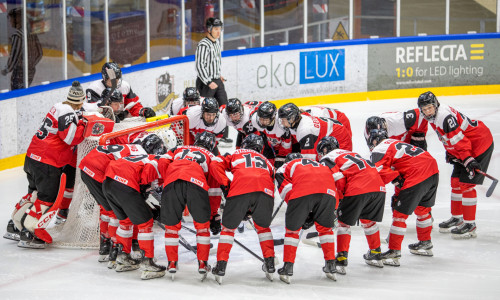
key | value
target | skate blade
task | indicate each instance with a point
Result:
(393, 262)
(25, 244)
(103, 258)
(126, 268)
(445, 230)
(136, 254)
(218, 279)
(203, 276)
(172, 276)
(269, 276)
(152, 274)
(12, 236)
(341, 270)
(422, 252)
(465, 236)
(111, 265)
(331, 276)
(285, 278)
(374, 263)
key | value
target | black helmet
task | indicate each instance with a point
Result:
(210, 105)
(153, 144)
(213, 22)
(190, 94)
(111, 67)
(205, 139)
(266, 110)
(374, 122)
(376, 136)
(292, 156)
(426, 99)
(234, 106)
(291, 113)
(254, 142)
(110, 95)
(326, 145)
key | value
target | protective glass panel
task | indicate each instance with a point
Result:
(165, 28)
(374, 18)
(424, 16)
(241, 24)
(479, 16)
(11, 47)
(284, 22)
(327, 20)
(197, 12)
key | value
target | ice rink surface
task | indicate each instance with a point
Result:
(460, 269)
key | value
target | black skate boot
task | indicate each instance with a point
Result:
(464, 231)
(268, 267)
(286, 272)
(113, 253)
(341, 262)
(150, 269)
(29, 240)
(391, 257)
(448, 225)
(372, 258)
(12, 232)
(219, 270)
(125, 262)
(104, 248)
(172, 269)
(136, 250)
(330, 269)
(203, 268)
(421, 248)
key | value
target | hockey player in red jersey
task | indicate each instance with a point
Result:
(98, 91)
(190, 97)
(309, 189)
(185, 184)
(49, 154)
(362, 194)
(415, 171)
(308, 130)
(251, 192)
(469, 146)
(326, 112)
(126, 188)
(206, 117)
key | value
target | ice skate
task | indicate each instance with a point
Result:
(62, 216)
(136, 250)
(29, 240)
(421, 248)
(286, 272)
(330, 269)
(372, 258)
(464, 231)
(150, 269)
(125, 262)
(341, 262)
(391, 257)
(203, 268)
(172, 269)
(241, 227)
(268, 267)
(104, 248)
(12, 232)
(113, 253)
(220, 270)
(448, 225)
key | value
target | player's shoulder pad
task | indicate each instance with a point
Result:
(410, 117)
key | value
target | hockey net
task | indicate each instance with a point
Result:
(81, 229)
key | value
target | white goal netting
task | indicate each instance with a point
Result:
(81, 229)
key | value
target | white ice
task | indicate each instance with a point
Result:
(460, 269)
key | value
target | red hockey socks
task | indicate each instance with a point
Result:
(424, 223)
(124, 234)
(327, 241)
(146, 238)
(343, 237)
(225, 243)
(469, 202)
(202, 240)
(371, 232)
(456, 198)
(291, 244)
(172, 242)
(266, 240)
(398, 230)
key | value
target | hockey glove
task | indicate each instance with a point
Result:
(215, 226)
(471, 165)
(309, 221)
(225, 189)
(147, 112)
(451, 159)
(247, 216)
(418, 139)
(399, 181)
(145, 190)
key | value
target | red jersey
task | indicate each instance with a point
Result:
(188, 163)
(97, 160)
(461, 136)
(134, 170)
(353, 174)
(130, 99)
(55, 141)
(393, 158)
(312, 129)
(326, 112)
(252, 172)
(302, 177)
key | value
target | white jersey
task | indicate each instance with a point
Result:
(196, 124)
(175, 106)
(245, 124)
(277, 136)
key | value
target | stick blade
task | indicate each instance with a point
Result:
(492, 188)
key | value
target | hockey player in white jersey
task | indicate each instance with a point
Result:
(189, 98)
(326, 112)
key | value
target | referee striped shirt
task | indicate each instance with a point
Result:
(208, 60)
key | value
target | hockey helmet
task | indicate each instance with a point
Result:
(374, 122)
(213, 22)
(376, 136)
(326, 145)
(426, 99)
(113, 69)
(292, 156)
(266, 110)
(209, 105)
(205, 139)
(153, 144)
(191, 95)
(234, 106)
(253, 142)
(291, 113)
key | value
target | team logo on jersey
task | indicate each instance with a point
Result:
(120, 179)
(197, 181)
(35, 157)
(331, 192)
(269, 192)
(382, 189)
(88, 171)
(97, 129)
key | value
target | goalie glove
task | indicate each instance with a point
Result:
(106, 112)
(215, 224)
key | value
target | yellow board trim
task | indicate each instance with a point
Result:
(18, 160)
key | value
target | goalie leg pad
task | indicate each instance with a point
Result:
(21, 207)
(34, 214)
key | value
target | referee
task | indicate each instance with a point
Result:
(209, 81)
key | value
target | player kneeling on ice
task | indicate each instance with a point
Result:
(363, 196)
(49, 155)
(126, 188)
(250, 193)
(309, 189)
(186, 175)
(415, 171)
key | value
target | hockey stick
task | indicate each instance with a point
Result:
(277, 242)
(277, 210)
(182, 240)
(493, 184)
